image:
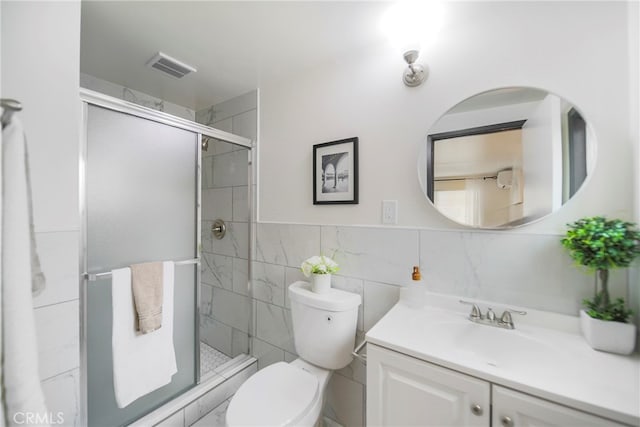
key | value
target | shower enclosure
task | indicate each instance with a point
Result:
(141, 188)
(225, 303)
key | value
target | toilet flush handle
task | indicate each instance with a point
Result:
(360, 357)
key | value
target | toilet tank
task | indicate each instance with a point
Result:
(324, 325)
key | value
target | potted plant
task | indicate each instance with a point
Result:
(600, 245)
(319, 268)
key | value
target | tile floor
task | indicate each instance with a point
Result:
(210, 359)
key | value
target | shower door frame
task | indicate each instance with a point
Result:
(89, 97)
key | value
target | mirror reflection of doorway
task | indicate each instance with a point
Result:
(501, 189)
(477, 174)
(506, 174)
(577, 151)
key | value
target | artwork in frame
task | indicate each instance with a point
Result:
(335, 172)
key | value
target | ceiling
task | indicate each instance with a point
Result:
(234, 45)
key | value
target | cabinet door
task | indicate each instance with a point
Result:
(404, 391)
(515, 409)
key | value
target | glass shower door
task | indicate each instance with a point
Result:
(141, 206)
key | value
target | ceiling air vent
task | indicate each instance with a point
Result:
(170, 65)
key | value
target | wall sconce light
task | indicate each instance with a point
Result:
(415, 74)
(412, 25)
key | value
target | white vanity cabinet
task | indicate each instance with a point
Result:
(405, 391)
(512, 408)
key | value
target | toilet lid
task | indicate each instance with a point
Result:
(278, 395)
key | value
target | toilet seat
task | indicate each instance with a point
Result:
(278, 395)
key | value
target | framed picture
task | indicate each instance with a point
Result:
(335, 172)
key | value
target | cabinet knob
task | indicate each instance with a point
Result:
(506, 421)
(476, 409)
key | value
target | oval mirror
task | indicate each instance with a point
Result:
(506, 157)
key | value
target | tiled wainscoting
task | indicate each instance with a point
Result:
(56, 315)
(507, 267)
(215, 418)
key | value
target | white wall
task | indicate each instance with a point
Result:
(485, 45)
(550, 45)
(634, 133)
(40, 68)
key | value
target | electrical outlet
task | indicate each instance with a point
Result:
(389, 211)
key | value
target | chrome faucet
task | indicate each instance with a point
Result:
(505, 321)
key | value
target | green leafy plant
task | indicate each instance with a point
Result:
(616, 311)
(601, 245)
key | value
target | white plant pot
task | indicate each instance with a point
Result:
(613, 337)
(320, 283)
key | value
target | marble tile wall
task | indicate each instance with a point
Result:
(519, 269)
(225, 303)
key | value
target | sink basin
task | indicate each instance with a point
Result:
(497, 347)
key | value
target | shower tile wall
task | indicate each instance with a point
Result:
(225, 304)
(90, 82)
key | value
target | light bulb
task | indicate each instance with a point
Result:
(413, 24)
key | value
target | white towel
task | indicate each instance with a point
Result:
(22, 390)
(141, 362)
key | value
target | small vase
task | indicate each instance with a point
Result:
(609, 336)
(320, 283)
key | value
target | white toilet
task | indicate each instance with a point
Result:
(292, 394)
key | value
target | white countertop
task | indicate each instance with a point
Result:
(544, 356)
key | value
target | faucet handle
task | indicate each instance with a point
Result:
(506, 318)
(475, 310)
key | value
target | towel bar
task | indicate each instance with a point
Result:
(92, 277)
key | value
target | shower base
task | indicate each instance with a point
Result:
(211, 360)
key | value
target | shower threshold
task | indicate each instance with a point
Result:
(216, 386)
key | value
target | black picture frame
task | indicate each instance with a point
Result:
(335, 172)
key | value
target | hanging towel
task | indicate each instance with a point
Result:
(146, 282)
(22, 390)
(141, 362)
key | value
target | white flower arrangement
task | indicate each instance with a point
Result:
(319, 265)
